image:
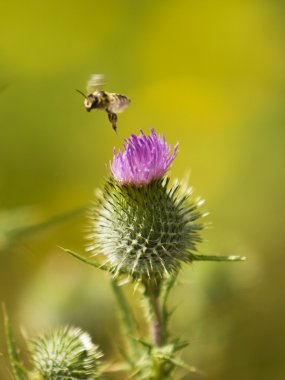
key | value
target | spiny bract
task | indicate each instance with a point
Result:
(144, 230)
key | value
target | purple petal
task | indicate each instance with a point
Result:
(144, 159)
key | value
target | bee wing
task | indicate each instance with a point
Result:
(118, 103)
(95, 82)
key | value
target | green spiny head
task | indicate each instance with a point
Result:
(65, 353)
(145, 231)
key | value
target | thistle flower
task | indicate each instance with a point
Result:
(142, 225)
(144, 159)
(65, 353)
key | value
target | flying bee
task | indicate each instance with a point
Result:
(99, 99)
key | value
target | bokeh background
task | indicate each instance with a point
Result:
(209, 74)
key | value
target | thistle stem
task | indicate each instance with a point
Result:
(157, 322)
(152, 290)
(160, 367)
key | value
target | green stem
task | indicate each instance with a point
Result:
(160, 367)
(152, 290)
(157, 323)
(128, 321)
(165, 291)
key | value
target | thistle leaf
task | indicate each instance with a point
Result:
(128, 320)
(85, 260)
(18, 369)
(195, 257)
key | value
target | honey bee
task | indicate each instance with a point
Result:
(99, 99)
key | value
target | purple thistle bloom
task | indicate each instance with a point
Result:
(144, 159)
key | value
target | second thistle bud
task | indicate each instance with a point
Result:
(65, 353)
(142, 225)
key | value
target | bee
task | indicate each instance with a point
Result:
(111, 102)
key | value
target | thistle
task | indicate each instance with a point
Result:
(146, 228)
(143, 226)
(65, 353)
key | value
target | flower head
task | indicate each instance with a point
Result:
(144, 159)
(65, 353)
(144, 227)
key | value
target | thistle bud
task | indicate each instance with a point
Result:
(65, 353)
(143, 226)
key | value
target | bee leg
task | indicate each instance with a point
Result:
(113, 120)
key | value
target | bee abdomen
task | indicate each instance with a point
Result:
(122, 98)
(118, 102)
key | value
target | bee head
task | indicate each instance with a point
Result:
(91, 101)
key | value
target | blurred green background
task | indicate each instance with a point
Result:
(209, 74)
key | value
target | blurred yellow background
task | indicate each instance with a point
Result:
(209, 74)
